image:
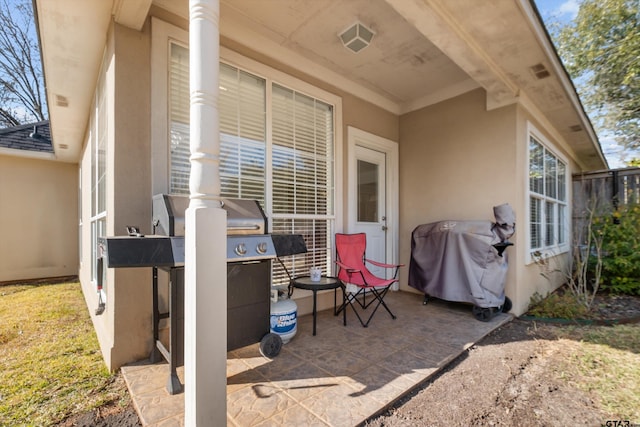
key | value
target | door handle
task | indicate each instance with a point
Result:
(384, 228)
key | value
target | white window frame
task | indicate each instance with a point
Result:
(545, 251)
(80, 217)
(98, 131)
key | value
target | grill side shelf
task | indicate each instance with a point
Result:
(149, 251)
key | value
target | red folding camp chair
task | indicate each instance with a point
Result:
(350, 258)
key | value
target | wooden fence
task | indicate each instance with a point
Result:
(605, 190)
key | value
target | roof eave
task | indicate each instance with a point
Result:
(544, 38)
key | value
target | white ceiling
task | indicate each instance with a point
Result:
(400, 64)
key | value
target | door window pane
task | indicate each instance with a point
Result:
(367, 191)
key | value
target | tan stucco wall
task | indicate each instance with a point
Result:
(129, 173)
(457, 161)
(125, 327)
(38, 218)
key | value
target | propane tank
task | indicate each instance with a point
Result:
(284, 319)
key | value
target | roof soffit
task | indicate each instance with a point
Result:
(443, 52)
(73, 37)
(438, 25)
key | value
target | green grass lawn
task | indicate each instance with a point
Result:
(50, 363)
(606, 362)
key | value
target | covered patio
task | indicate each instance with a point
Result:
(340, 377)
(454, 107)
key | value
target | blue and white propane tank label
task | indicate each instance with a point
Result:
(283, 322)
(283, 319)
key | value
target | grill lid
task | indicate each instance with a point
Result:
(244, 216)
(168, 214)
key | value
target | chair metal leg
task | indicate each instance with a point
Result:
(343, 306)
(350, 298)
(378, 296)
(384, 304)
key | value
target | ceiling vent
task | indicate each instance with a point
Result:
(575, 128)
(540, 71)
(356, 37)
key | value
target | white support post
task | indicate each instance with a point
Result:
(205, 313)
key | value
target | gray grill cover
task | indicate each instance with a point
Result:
(456, 260)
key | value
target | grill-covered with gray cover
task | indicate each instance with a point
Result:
(463, 261)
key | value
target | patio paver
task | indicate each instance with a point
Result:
(340, 377)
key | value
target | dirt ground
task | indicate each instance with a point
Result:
(106, 416)
(510, 378)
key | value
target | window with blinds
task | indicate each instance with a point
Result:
(297, 154)
(547, 198)
(179, 108)
(242, 115)
(98, 137)
(302, 176)
(243, 134)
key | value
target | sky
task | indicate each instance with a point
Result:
(564, 11)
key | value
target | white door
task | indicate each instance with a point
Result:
(371, 201)
(373, 195)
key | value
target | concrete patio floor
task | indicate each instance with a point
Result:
(340, 377)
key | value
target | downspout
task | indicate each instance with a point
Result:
(205, 313)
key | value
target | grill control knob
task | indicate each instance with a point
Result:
(262, 248)
(241, 249)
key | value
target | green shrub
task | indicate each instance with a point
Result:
(620, 250)
(557, 305)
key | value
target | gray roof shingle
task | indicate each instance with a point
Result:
(30, 137)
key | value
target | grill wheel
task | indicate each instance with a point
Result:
(270, 345)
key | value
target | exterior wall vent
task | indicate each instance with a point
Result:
(540, 71)
(62, 101)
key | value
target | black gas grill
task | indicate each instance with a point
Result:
(249, 252)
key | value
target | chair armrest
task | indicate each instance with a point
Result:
(381, 264)
(346, 267)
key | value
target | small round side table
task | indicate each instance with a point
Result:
(325, 282)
